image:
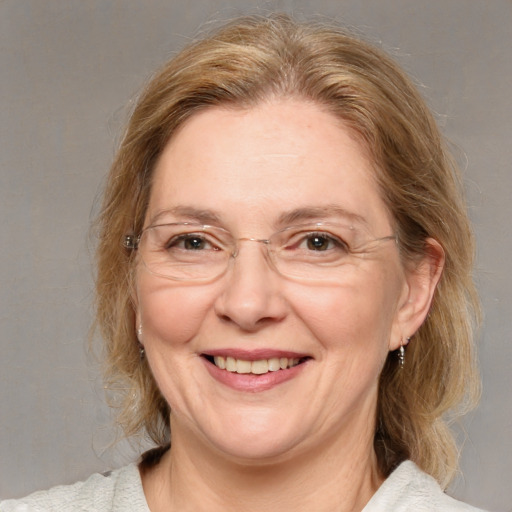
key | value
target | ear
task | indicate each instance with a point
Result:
(137, 316)
(138, 327)
(134, 298)
(421, 279)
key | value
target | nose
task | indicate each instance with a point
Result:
(253, 293)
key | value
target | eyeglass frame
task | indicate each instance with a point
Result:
(131, 242)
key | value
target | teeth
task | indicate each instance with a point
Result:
(243, 366)
(273, 364)
(220, 362)
(259, 367)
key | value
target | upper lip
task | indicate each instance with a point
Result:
(254, 355)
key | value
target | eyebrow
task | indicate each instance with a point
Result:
(199, 215)
(307, 213)
(310, 213)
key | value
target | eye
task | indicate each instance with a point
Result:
(191, 242)
(318, 241)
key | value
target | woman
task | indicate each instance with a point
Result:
(284, 284)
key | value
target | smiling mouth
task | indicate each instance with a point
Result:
(256, 367)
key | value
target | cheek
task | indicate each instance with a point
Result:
(170, 314)
(355, 315)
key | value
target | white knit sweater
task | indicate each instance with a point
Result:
(407, 489)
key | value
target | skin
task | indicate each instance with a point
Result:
(307, 443)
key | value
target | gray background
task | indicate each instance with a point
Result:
(69, 69)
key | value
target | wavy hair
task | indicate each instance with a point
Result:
(249, 61)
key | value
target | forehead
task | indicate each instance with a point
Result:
(259, 163)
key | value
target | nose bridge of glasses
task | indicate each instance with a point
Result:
(264, 241)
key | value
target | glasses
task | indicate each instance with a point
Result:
(185, 251)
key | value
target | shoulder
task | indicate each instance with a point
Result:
(409, 488)
(118, 490)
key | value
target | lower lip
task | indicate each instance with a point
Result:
(249, 382)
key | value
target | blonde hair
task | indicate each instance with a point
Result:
(246, 62)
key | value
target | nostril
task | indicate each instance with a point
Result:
(225, 318)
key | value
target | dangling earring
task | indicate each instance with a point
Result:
(401, 352)
(142, 352)
(401, 357)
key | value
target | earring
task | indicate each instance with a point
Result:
(142, 352)
(401, 352)
(401, 357)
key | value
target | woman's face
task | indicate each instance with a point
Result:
(253, 172)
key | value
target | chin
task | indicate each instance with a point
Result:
(258, 438)
(253, 450)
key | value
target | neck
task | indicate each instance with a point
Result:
(340, 475)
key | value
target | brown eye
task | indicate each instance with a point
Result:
(319, 243)
(194, 243)
(189, 242)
